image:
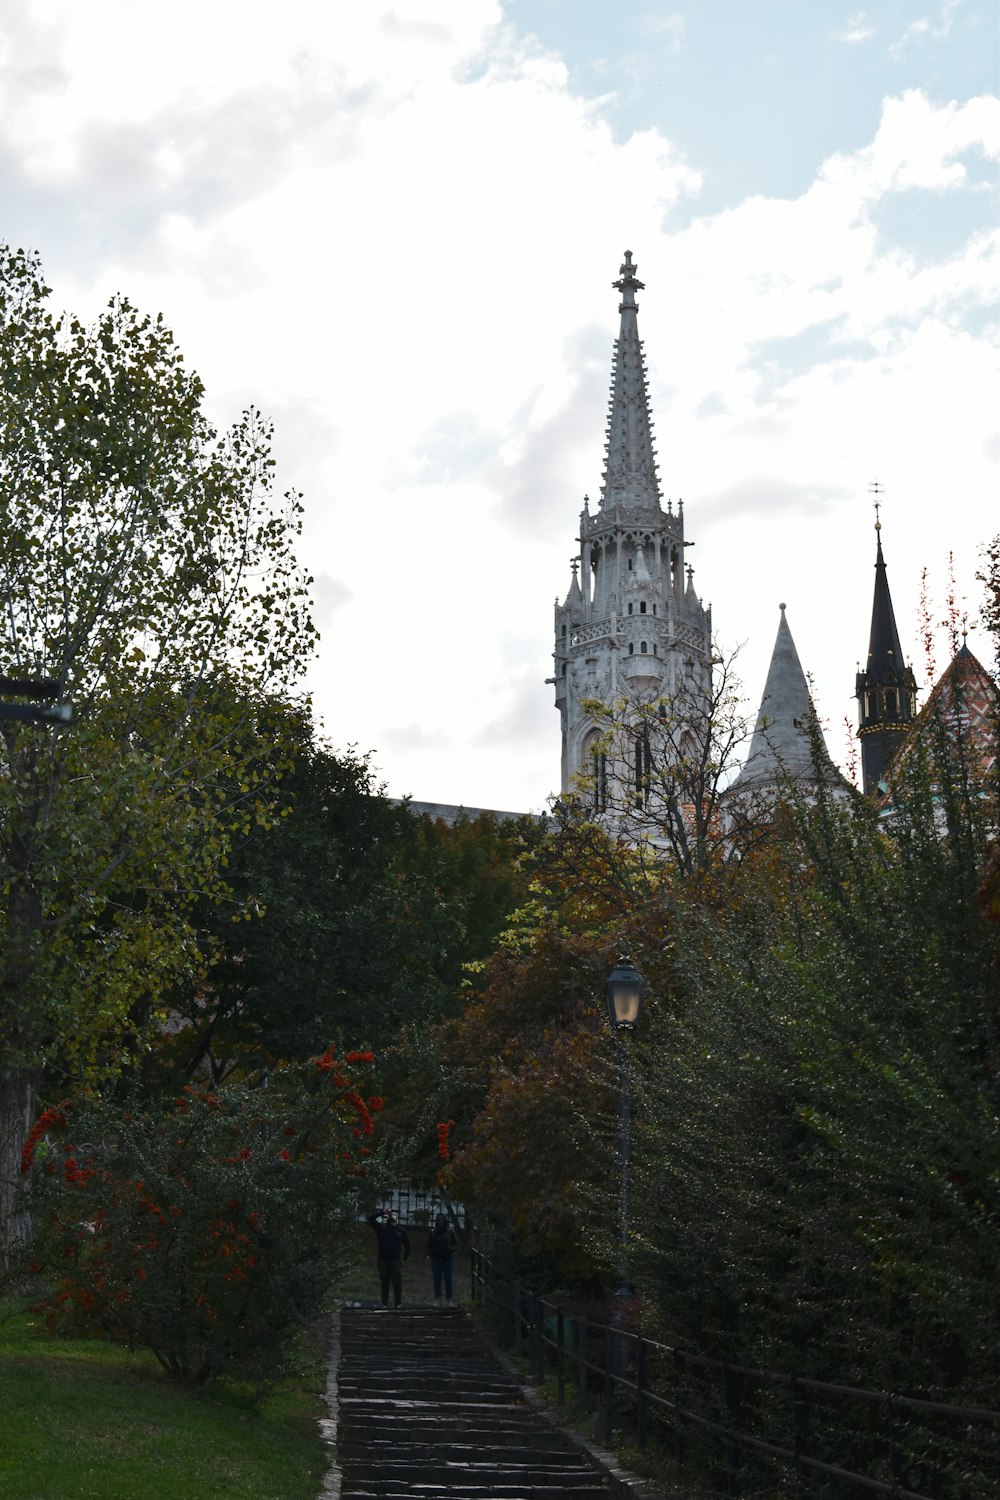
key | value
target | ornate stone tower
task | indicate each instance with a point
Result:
(886, 690)
(631, 625)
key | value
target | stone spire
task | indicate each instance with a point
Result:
(886, 690)
(630, 480)
(631, 629)
(784, 743)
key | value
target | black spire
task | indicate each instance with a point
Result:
(886, 690)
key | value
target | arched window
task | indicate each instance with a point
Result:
(643, 647)
(631, 648)
(642, 607)
(643, 766)
(630, 609)
(594, 765)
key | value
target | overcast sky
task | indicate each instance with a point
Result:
(394, 227)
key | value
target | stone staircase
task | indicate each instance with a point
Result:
(426, 1410)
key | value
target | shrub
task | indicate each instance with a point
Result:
(204, 1230)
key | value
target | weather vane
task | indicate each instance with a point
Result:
(876, 491)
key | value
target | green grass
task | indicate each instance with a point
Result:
(85, 1420)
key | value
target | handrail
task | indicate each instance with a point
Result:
(623, 1371)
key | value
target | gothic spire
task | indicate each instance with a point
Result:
(886, 690)
(630, 481)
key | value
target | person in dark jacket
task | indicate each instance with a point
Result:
(393, 1249)
(441, 1244)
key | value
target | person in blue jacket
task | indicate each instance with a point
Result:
(393, 1249)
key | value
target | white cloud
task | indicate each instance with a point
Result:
(926, 29)
(856, 29)
(394, 227)
(671, 27)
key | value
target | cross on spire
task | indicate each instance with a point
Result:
(876, 491)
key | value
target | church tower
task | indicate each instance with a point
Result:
(886, 690)
(631, 625)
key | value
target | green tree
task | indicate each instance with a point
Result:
(819, 1135)
(349, 932)
(149, 568)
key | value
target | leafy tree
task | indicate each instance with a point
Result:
(820, 1128)
(530, 1071)
(149, 569)
(345, 930)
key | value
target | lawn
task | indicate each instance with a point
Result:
(86, 1420)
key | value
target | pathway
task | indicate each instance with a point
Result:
(425, 1409)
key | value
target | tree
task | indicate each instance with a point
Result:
(348, 931)
(148, 567)
(819, 1136)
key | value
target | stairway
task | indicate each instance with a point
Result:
(426, 1410)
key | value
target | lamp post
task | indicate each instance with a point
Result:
(624, 994)
(46, 712)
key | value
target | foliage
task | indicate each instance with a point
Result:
(360, 918)
(821, 1148)
(532, 1075)
(339, 935)
(814, 1148)
(149, 570)
(205, 1231)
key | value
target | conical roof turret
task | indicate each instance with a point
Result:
(630, 480)
(885, 655)
(786, 737)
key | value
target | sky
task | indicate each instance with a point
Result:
(394, 226)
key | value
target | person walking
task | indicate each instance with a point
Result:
(441, 1243)
(393, 1249)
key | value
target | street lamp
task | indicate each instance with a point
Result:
(624, 994)
(46, 712)
(624, 991)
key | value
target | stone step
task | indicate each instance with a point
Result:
(474, 1456)
(498, 1442)
(428, 1413)
(466, 1492)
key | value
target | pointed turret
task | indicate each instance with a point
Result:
(886, 690)
(630, 480)
(787, 742)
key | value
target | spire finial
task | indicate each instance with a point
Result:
(629, 283)
(876, 491)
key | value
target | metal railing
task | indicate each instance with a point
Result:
(418, 1205)
(816, 1432)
